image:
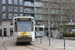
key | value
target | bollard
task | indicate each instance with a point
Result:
(64, 43)
(8, 37)
(36, 39)
(40, 39)
(49, 40)
(2, 37)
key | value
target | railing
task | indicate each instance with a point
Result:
(28, 4)
(29, 11)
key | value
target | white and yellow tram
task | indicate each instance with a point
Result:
(39, 30)
(24, 30)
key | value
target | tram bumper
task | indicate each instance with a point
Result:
(24, 39)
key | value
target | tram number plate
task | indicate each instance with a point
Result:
(24, 36)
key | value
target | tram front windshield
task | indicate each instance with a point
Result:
(24, 26)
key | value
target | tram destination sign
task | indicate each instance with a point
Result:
(24, 19)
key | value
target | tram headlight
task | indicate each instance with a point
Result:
(19, 36)
(29, 36)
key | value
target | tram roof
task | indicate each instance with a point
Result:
(23, 17)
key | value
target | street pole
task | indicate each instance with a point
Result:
(49, 20)
(64, 43)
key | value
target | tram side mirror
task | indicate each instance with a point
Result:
(15, 20)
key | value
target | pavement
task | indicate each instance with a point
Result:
(56, 44)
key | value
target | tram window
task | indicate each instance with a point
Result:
(32, 27)
(24, 26)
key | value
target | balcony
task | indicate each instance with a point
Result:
(28, 4)
(28, 10)
(40, 17)
(38, 4)
(39, 12)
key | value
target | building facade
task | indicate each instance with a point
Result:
(14, 8)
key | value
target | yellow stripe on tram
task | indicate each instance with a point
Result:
(24, 33)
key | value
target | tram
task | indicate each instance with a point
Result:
(24, 30)
(39, 30)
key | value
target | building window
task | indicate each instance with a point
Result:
(9, 1)
(16, 2)
(11, 31)
(15, 9)
(15, 15)
(21, 9)
(3, 1)
(20, 14)
(4, 8)
(5, 29)
(4, 16)
(10, 16)
(10, 9)
(20, 2)
(73, 29)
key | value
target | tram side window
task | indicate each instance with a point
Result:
(32, 27)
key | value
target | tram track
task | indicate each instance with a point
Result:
(30, 47)
(39, 47)
(4, 45)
